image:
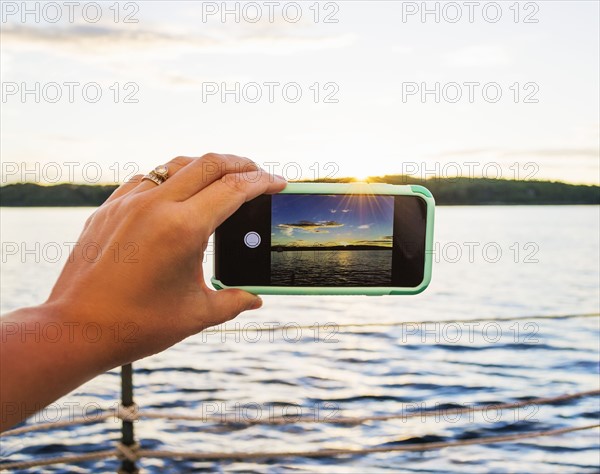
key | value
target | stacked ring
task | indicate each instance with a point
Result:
(158, 175)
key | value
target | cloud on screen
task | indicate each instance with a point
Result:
(309, 226)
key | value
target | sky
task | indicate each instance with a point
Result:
(305, 220)
(333, 90)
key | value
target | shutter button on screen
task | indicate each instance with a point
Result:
(252, 240)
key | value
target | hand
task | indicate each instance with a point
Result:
(150, 240)
(136, 303)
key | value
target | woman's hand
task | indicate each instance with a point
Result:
(152, 240)
(135, 277)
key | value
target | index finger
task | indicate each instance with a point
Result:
(225, 196)
(204, 171)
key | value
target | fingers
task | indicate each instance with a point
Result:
(198, 174)
(175, 165)
(136, 184)
(203, 172)
(227, 304)
(126, 187)
(222, 198)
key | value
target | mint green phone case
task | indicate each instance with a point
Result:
(355, 188)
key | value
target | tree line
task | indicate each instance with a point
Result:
(447, 191)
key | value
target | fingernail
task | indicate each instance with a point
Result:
(280, 178)
(256, 303)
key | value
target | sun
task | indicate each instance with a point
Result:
(361, 177)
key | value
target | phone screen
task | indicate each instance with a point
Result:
(323, 240)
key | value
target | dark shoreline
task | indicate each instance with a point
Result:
(447, 192)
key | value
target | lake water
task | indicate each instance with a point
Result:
(331, 268)
(489, 262)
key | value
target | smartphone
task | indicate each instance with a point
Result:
(329, 239)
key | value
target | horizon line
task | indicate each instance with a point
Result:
(368, 180)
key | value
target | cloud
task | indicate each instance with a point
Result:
(83, 39)
(309, 226)
(333, 211)
(365, 226)
(86, 37)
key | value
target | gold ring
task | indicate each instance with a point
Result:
(158, 175)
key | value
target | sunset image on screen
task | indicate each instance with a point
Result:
(328, 240)
(348, 222)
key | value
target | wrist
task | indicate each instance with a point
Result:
(95, 344)
(44, 346)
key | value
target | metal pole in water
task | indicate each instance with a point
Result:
(127, 435)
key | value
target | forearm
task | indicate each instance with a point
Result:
(44, 355)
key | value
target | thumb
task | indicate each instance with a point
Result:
(227, 304)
